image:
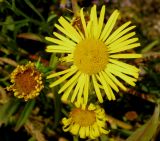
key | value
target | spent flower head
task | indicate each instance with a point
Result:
(94, 55)
(86, 121)
(27, 81)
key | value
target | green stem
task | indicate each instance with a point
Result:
(75, 138)
(57, 97)
(15, 22)
(34, 9)
(19, 12)
(75, 7)
(57, 107)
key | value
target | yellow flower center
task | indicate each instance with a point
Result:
(83, 117)
(91, 56)
(25, 82)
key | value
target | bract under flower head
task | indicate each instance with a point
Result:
(93, 50)
(27, 81)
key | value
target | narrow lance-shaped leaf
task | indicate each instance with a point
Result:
(25, 114)
(7, 110)
(146, 132)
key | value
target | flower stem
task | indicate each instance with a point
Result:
(75, 7)
(57, 107)
(75, 138)
(57, 97)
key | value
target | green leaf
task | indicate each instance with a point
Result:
(8, 25)
(53, 61)
(25, 114)
(34, 9)
(146, 132)
(51, 17)
(150, 46)
(7, 110)
(32, 139)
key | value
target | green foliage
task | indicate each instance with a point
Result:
(25, 114)
(8, 109)
(146, 132)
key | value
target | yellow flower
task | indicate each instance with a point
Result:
(27, 82)
(86, 121)
(94, 54)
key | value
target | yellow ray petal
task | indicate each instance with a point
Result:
(63, 38)
(111, 93)
(93, 18)
(69, 28)
(123, 40)
(71, 36)
(97, 90)
(74, 129)
(69, 82)
(105, 86)
(100, 123)
(89, 32)
(124, 77)
(101, 20)
(125, 48)
(68, 91)
(91, 133)
(60, 42)
(104, 131)
(81, 89)
(124, 65)
(108, 87)
(91, 107)
(63, 78)
(66, 121)
(77, 88)
(83, 22)
(61, 72)
(123, 70)
(68, 58)
(109, 81)
(119, 32)
(96, 130)
(80, 33)
(114, 35)
(116, 80)
(58, 49)
(126, 55)
(86, 89)
(82, 132)
(87, 131)
(109, 25)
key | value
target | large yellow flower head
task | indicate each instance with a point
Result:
(94, 55)
(27, 81)
(86, 121)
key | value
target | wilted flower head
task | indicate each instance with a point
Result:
(93, 50)
(27, 81)
(86, 121)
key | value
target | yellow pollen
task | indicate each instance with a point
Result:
(91, 56)
(83, 117)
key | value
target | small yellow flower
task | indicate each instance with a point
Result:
(94, 55)
(86, 121)
(27, 81)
